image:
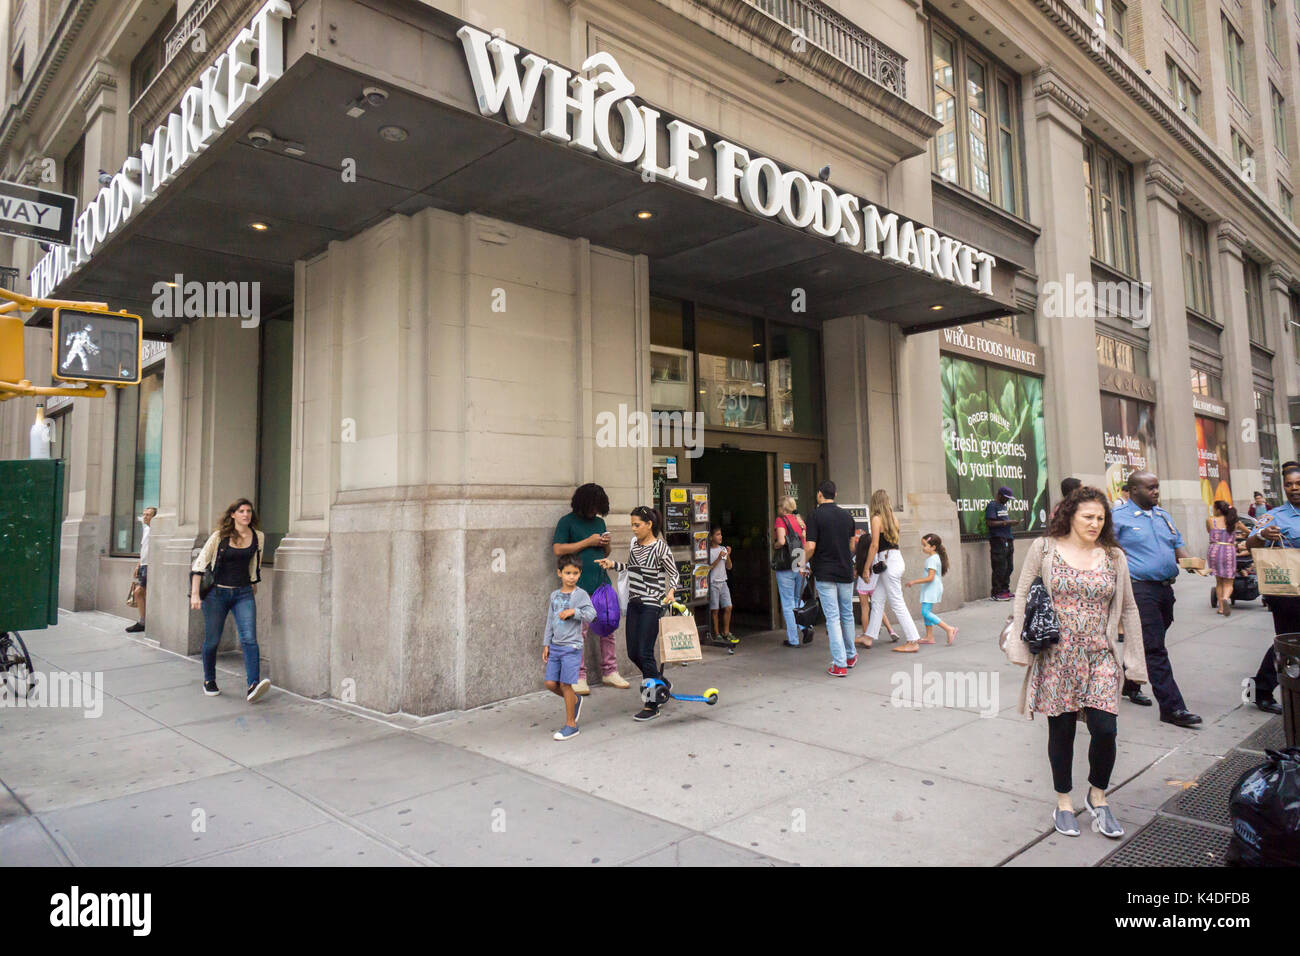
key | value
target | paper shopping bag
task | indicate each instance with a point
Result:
(679, 640)
(1278, 571)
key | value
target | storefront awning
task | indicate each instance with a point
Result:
(330, 171)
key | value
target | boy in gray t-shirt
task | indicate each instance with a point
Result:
(569, 607)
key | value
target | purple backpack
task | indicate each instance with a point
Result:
(605, 601)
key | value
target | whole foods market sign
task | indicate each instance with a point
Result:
(584, 112)
(254, 60)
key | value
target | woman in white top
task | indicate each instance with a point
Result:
(889, 578)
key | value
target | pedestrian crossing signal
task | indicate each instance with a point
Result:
(95, 346)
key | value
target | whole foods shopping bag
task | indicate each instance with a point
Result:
(1278, 571)
(679, 639)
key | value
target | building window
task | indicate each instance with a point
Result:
(1018, 325)
(137, 469)
(1186, 96)
(1196, 257)
(1108, 187)
(794, 378)
(16, 75)
(74, 167)
(1181, 11)
(1243, 155)
(977, 146)
(274, 432)
(1270, 24)
(731, 370)
(1267, 433)
(1206, 384)
(1113, 353)
(1234, 55)
(1112, 15)
(146, 65)
(1279, 119)
(1255, 303)
(1295, 325)
(1286, 201)
(1119, 23)
(61, 435)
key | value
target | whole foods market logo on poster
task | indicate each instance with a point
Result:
(993, 435)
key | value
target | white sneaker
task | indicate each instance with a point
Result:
(258, 690)
(615, 680)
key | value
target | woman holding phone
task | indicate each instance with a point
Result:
(233, 553)
(582, 532)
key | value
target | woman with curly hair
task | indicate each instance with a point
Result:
(1078, 678)
(233, 553)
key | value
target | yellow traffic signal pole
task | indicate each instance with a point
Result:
(11, 346)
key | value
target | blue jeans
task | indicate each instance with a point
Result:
(837, 604)
(219, 603)
(789, 584)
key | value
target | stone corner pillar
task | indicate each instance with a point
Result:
(1238, 367)
(1063, 257)
(1160, 248)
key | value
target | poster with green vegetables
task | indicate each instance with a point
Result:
(993, 435)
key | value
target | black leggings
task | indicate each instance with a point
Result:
(642, 631)
(1101, 752)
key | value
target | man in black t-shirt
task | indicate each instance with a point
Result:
(830, 531)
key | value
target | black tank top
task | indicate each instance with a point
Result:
(232, 565)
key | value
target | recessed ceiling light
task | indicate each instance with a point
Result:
(644, 214)
(170, 285)
(259, 226)
(935, 308)
(394, 134)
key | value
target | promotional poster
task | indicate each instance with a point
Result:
(1128, 431)
(993, 436)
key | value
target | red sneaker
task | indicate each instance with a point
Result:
(834, 671)
(852, 662)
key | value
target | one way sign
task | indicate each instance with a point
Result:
(36, 214)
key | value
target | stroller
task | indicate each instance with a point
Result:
(1245, 586)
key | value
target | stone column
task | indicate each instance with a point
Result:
(1160, 247)
(86, 527)
(85, 531)
(1063, 256)
(1238, 375)
(1286, 363)
(210, 455)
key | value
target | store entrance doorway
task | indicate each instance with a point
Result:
(741, 505)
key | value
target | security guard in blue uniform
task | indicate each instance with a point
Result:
(1280, 527)
(1153, 546)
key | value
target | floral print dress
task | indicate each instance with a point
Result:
(1080, 671)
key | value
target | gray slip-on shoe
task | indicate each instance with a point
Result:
(1065, 822)
(1103, 820)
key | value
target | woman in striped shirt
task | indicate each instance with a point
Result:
(651, 582)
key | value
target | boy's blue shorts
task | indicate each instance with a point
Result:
(563, 663)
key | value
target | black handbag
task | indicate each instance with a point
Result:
(783, 558)
(209, 577)
(1041, 628)
(809, 607)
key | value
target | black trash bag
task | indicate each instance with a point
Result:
(1265, 810)
(808, 608)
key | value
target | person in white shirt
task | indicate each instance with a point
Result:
(719, 592)
(142, 571)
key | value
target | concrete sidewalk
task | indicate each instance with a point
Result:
(791, 766)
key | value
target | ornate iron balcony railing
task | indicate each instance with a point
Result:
(824, 28)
